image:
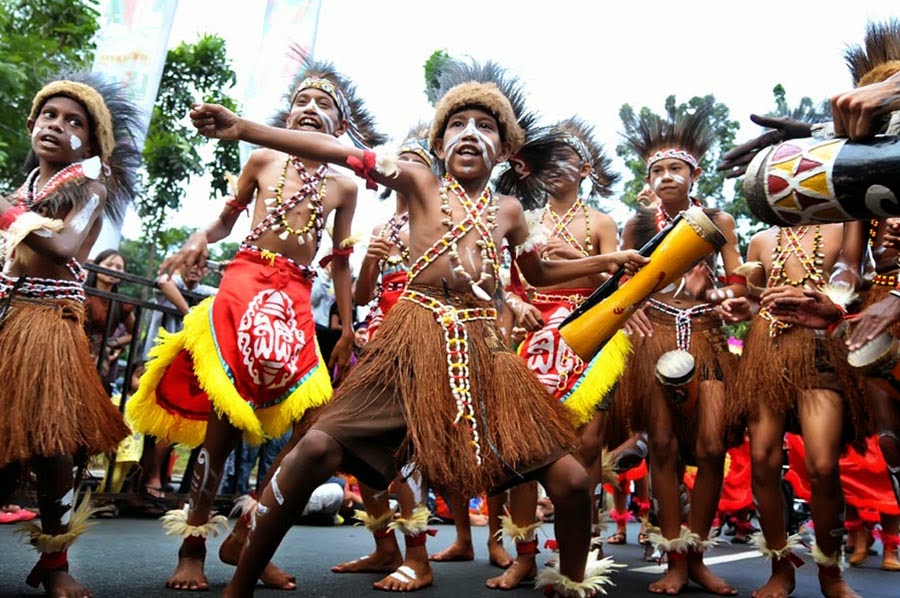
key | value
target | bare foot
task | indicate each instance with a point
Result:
(499, 556)
(188, 574)
(458, 551)
(706, 579)
(411, 576)
(380, 561)
(271, 577)
(835, 587)
(780, 584)
(59, 584)
(523, 569)
(674, 581)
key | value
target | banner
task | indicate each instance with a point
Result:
(132, 44)
(288, 26)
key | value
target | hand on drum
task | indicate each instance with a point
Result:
(800, 306)
(734, 163)
(629, 259)
(874, 320)
(860, 113)
(891, 238)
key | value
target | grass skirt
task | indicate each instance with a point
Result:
(774, 370)
(639, 387)
(519, 424)
(52, 399)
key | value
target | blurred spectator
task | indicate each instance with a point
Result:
(116, 327)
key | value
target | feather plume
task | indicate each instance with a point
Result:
(880, 47)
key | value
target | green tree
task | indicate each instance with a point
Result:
(173, 151)
(433, 67)
(38, 38)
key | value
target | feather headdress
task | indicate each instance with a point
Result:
(686, 136)
(487, 86)
(321, 75)
(546, 154)
(879, 56)
(115, 121)
(416, 142)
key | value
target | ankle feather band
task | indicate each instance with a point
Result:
(374, 524)
(245, 505)
(685, 541)
(416, 524)
(596, 576)
(758, 541)
(825, 561)
(608, 473)
(174, 523)
(45, 543)
(889, 541)
(515, 532)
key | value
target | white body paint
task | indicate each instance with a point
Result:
(75, 142)
(470, 131)
(83, 218)
(66, 503)
(279, 497)
(35, 132)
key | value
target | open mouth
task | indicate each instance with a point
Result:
(49, 141)
(309, 123)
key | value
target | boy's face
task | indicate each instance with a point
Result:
(61, 132)
(315, 110)
(671, 179)
(570, 173)
(471, 145)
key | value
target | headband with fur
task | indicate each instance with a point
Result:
(488, 87)
(879, 56)
(115, 121)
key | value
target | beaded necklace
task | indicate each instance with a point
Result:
(29, 195)
(391, 232)
(314, 186)
(481, 215)
(812, 267)
(561, 226)
(682, 317)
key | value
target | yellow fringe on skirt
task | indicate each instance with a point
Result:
(145, 415)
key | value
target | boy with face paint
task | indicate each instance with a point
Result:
(682, 317)
(550, 169)
(436, 385)
(247, 362)
(54, 405)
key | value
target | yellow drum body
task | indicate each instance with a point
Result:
(692, 238)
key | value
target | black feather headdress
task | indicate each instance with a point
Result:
(322, 75)
(686, 136)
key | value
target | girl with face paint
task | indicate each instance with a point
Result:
(54, 404)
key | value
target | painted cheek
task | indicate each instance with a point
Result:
(35, 132)
(656, 183)
(678, 179)
(327, 121)
(75, 142)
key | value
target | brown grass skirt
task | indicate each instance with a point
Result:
(639, 387)
(53, 402)
(396, 406)
(773, 371)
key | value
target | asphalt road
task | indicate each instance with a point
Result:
(132, 557)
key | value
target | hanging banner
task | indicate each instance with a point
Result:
(288, 34)
(132, 44)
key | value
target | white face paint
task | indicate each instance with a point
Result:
(665, 176)
(35, 132)
(75, 142)
(327, 121)
(83, 218)
(481, 139)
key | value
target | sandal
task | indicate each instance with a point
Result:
(617, 538)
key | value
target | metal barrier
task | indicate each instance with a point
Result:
(140, 333)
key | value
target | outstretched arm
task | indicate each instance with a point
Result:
(217, 122)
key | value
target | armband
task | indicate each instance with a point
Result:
(383, 160)
(237, 205)
(736, 279)
(336, 252)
